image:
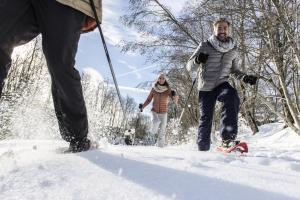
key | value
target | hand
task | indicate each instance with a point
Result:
(89, 24)
(201, 58)
(141, 107)
(250, 79)
(175, 99)
(173, 93)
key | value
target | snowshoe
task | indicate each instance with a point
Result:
(233, 146)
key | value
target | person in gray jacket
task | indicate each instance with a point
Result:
(60, 22)
(217, 59)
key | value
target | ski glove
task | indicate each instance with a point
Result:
(201, 58)
(250, 79)
(141, 107)
(173, 93)
(174, 96)
(89, 25)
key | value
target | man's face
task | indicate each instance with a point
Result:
(221, 31)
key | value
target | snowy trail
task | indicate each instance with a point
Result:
(34, 170)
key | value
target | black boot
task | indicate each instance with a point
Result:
(229, 143)
(79, 146)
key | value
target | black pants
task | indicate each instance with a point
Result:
(226, 94)
(60, 26)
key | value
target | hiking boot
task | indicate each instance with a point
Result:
(84, 145)
(229, 143)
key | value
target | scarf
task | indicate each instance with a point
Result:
(160, 88)
(220, 46)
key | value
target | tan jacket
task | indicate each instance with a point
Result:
(160, 101)
(84, 6)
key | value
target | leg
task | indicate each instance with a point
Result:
(5, 63)
(18, 26)
(155, 123)
(207, 101)
(162, 130)
(229, 113)
(61, 28)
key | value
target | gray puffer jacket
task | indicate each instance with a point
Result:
(218, 67)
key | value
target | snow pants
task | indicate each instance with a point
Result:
(60, 27)
(226, 94)
(159, 124)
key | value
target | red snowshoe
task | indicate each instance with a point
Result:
(235, 146)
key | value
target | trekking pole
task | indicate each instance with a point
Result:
(107, 55)
(175, 111)
(190, 92)
(136, 124)
(173, 94)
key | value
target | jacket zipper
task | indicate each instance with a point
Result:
(223, 54)
(159, 103)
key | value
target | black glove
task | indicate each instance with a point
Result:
(201, 58)
(173, 93)
(250, 79)
(141, 107)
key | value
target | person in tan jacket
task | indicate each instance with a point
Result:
(60, 22)
(160, 94)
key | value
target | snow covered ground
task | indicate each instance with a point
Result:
(33, 169)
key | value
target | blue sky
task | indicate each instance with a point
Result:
(130, 69)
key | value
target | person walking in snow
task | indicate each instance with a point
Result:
(160, 94)
(60, 22)
(216, 59)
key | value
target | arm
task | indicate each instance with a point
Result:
(250, 79)
(173, 96)
(149, 99)
(191, 64)
(235, 70)
(198, 57)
